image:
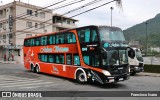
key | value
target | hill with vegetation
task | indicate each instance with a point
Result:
(138, 32)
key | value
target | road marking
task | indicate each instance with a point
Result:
(4, 83)
(39, 86)
(27, 84)
(7, 81)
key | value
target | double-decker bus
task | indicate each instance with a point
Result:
(91, 53)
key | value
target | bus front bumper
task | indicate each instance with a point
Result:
(118, 78)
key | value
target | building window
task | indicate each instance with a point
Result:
(36, 13)
(28, 35)
(42, 14)
(0, 25)
(29, 24)
(42, 25)
(68, 22)
(4, 36)
(10, 36)
(29, 12)
(36, 25)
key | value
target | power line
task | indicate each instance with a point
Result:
(25, 13)
(85, 5)
(62, 6)
(92, 9)
(43, 8)
(82, 12)
(72, 16)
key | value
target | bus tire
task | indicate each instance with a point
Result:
(33, 68)
(133, 73)
(80, 77)
(37, 69)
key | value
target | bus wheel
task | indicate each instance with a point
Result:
(80, 77)
(37, 69)
(133, 73)
(33, 68)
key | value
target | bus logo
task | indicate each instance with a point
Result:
(84, 49)
(54, 49)
(106, 45)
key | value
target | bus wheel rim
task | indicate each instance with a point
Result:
(37, 68)
(81, 77)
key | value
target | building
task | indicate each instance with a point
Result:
(19, 20)
(61, 22)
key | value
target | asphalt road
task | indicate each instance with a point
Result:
(14, 77)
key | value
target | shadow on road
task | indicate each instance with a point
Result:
(29, 74)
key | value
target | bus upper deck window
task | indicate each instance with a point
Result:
(84, 35)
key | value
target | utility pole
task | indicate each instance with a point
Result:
(111, 15)
(146, 38)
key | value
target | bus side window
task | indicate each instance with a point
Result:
(51, 58)
(76, 60)
(43, 57)
(32, 42)
(84, 35)
(59, 38)
(51, 39)
(37, 42)
(28, 42)
(94, 36)
(44, 40)
(69, 59)
(60, 58)
(70, 38)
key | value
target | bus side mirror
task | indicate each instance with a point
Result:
(131, 52)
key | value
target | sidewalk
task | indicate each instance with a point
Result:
(149, 74)
(8, 62)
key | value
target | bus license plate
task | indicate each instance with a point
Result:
(121, 79)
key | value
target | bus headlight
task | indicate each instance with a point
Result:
(106, 73)
(129, 70)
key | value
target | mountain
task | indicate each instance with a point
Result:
(138, 32)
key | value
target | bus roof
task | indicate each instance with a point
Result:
(70, 30)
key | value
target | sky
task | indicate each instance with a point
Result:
(132, 13)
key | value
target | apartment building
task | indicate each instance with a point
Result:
(61, 22)
(19, 20)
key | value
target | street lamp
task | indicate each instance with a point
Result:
(146, 37)
(111, 15)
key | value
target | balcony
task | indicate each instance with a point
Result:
(65, 25)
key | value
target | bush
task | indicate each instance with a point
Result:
(152, 68)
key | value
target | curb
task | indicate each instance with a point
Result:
(8, 62)
(149, 74)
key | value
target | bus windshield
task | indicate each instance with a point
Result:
(111, 34)
(116, 57)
